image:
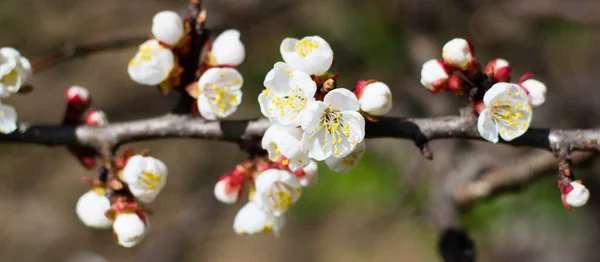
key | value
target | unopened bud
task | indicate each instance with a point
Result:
(129, 229)
(578, 195)
(434, 75)
(459, 53)
(96, 118)
(78, 96)
(167, 27)
(457, 85)
(90, 209)
(498, 70)
(227, 49)
(329, 85)
(374, 97)
(227, 191)
(537, 92)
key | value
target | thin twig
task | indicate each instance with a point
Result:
(76, 51)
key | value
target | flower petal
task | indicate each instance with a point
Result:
(311, 116)
(487, 127)
(342, 99)
(8, 119)
(343, 164)
(497, 91)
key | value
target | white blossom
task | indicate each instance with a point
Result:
(434, 75)
(227, 49)
(8, 119)
(152, 64)
(344, 164)
(578, 196)
(286, 95)
(167, 27)
(537, 92)
(146, 177)
(129, 229)
(226, 193)
(310, 174)
(252, 220)
(507, 112)
(332, 127)
(285, 141)
(375, 98)
(220, 92)
(311, 54)
(91, 208)
(276, 191)
(459, 53)
(14, 71)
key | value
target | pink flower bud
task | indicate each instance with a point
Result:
(536, 91)
(96, 118)
(498, 69)
(434, 75)
(228, 189)
(459, 53)
(79, 96)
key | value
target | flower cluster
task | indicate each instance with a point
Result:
(157, 63)
(505, 109)
(272, 189)
(312, 118)
(15, 70)
(117, 196)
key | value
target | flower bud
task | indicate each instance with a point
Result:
(434, 75)
(8, 119)
(308, 176)
(252, 220)
(227, 48)
(498, 69)
(578, 195)
(96, 118)
(459, 53)
(374, 98)
(91, 208)
(15, 70)
(129, 229)
(167, 27)
(227, 190)
(78, 96)
(537, 92)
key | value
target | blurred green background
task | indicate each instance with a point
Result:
(384, 209)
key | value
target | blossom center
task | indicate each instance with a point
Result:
(305, 47)
(337, 130)
(510, 114)
(280, 196)
(148, 181)
(292, 101)
(145, 55)
(10, 77)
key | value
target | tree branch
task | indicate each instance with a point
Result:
(420, 130)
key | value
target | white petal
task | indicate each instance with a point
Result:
(8, 119)
(578, 196)
(168, 27)
(276, 191)
(228, 49)
(310, 174)
(311, 116)
(145, 176)
(487, 127)
(457, 52)
(129, 229)
(298, 162)
(221, 90)
(222, 195)
(315, 55)
(316, 146)
(91, 208)
(496, 92)
(152, 64)
(205, 109)
(251, 220)
(342, 99)
(343, 164)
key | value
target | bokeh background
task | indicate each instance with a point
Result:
(386, 209)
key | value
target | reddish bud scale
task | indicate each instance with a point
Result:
(478, 106)
(525, 77)
(300, 173)
(78, 101)
(456, 85)
(360, 85)
(498, 69)
(564, 190)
